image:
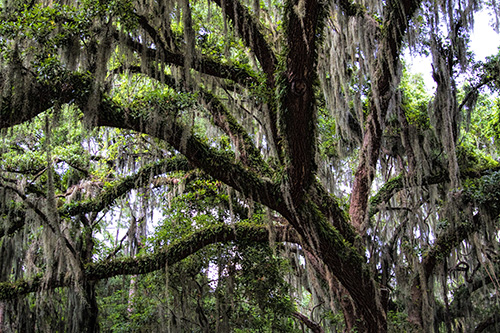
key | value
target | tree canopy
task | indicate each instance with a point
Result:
(235, 165)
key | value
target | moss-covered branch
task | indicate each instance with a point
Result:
(203, 65)
(222, 118)
(398, 183)
(171, 254)
(221, 165)
(22, 103)
(142, 178)
(446, 242)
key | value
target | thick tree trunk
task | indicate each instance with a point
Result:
(90, 323)
(345, 263)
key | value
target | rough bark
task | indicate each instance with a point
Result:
(298, 113)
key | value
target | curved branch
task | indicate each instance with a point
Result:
(219, 164)
(104, 199)
(122, 186)
(171, 254)
(462, 295)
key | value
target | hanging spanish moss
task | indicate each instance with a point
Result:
(243, 165)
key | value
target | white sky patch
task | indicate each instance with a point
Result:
(484, 40)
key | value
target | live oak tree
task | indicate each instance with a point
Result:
(251, 153)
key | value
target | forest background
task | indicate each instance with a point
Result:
(236, 165)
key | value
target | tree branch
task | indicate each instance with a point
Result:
(171, 254)
(203, 65)
(122, 186)
(219, 164)
(313, 326)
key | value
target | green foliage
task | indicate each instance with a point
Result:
(221, 286)
(415, 100)
(485, 192)
(398, 322)
(472, 159)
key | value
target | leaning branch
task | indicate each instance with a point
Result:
(462, 295)
(43, 217)
(249, 30)
(111, 193)
(313, 326)
(171, 254)
(219, 164)
(446, 242)
(203, 65)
